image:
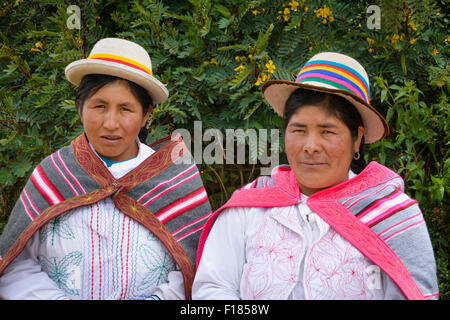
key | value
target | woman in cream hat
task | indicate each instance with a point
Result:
(107, 217)
(327, 226)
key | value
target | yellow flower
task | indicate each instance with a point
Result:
(412, 41)
(412, 25)
(37, 47)
(395, 38)
(286, 13)
(255, 12)
(370, 50)
(324, 13)
(270, 66)
(447, 39)
(370, 41)
(294, 4)
(214, 61)
(435, 51)
(262, 78)
(241, 67)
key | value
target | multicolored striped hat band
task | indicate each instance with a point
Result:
(336, 75)
(120, 58)
(332, 73)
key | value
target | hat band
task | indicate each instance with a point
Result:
(332, 74)
(121, 60)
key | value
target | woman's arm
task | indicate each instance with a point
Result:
(219, 272)
(24, 278)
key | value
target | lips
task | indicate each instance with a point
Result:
(312, 163)
(111, 138)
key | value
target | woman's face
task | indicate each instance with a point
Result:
(319, 148)
(112, 118)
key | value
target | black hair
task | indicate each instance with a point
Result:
(336, 105)
(91, 83)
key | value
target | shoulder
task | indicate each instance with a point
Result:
(65, 152)
(234, 217)
(376, 173)
(374, 177)
(280, 175)
(379, 177)
(374, 189)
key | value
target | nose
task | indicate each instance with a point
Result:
(111, 121)
(312, 144)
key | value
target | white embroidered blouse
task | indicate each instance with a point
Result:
(284, 253)
(94, 252)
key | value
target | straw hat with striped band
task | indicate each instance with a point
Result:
(120, 58)
(333, 73)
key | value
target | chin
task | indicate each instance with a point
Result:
(108, 154)
(312, 181)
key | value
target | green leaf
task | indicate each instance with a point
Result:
(263, 40)
(403, 63)
(20, 168)
(6, 178)
(223, 10)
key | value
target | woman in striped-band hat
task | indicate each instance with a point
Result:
(108, 217)
(327, 226)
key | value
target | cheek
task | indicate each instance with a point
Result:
(292, 145)
(90, 120)
(340, 151)
(131, 124)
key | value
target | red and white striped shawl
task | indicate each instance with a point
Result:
(371, 211)
(164, 193)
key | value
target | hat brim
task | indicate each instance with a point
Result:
(277, 92)
(76, 70)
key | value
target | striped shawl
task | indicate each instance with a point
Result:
(164, 193)
(371, 211)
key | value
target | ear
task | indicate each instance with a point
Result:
(147, 115)
(78, 106)
(358, 139)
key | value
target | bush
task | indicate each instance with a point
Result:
(214, 57)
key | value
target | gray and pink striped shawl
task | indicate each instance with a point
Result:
(371, 211)
(164, 193)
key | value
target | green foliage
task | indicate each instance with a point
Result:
(214, 57)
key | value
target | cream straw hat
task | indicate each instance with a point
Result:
(120, 58)
(333, 73)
